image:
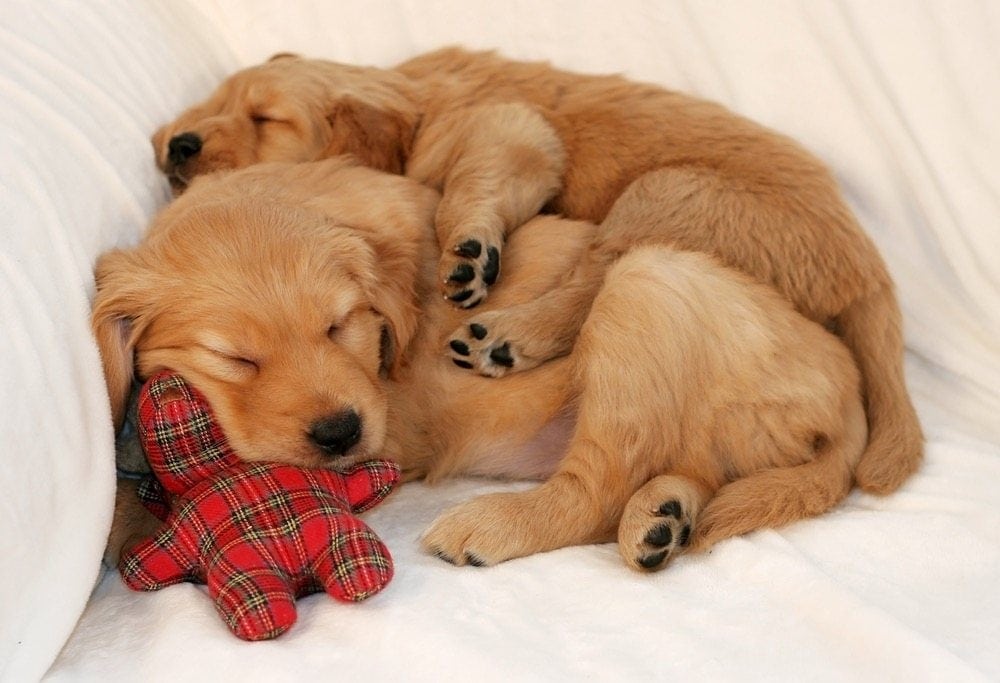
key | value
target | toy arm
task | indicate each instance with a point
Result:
(369, 483)
(157, 562)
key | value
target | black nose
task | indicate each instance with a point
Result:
(335, 434)
(182, 147)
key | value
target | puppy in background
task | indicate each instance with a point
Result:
(503, 139)
(302, 300)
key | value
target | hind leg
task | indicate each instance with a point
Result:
(628, 400)
(657, 522)
(803, 240)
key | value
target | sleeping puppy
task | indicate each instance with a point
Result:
(301, 299)
(502, 140)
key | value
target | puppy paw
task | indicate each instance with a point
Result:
(648, 538)
(467, 270)
(480, 533)
(482, 347)
(488, 346)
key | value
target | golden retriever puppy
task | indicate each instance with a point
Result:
(302, 300)
(503, 139)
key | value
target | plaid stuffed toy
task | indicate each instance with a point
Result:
(259, 534)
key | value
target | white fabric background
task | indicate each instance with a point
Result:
(900, 98)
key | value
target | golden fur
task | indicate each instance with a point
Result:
(504, 139)
(704, 408)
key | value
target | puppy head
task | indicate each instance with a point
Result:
(284, 317)
(291, 109)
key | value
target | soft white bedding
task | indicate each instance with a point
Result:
(900, 98)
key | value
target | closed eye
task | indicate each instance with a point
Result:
(245, 363)
(241, 363)
(261, 119)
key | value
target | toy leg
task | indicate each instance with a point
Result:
(255, 602)
(350, 560)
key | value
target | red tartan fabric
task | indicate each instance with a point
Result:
(154, 497)
(258, 534)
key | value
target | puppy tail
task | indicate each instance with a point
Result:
(872, 329)
(778, 496)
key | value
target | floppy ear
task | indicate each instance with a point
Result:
(379, 137)
(122, 292)
(405, 257)
(395, 297)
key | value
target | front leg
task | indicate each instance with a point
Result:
(502, 526)
(580, 504)
(496, 166)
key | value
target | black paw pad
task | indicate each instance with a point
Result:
(462, 363)
(459, 347)
(501, 356)
(659, 536)
(477, 330)
(653, 560)
(492, 268)
(469, 249)
(461, 296)
(671, 508)
(463, 272)
(474, 560)
(685, 535)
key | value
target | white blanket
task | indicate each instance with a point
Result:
(901, 98)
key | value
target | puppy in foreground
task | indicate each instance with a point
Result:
(302, 300)
(502, 140)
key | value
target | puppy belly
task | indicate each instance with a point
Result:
(510, 456)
